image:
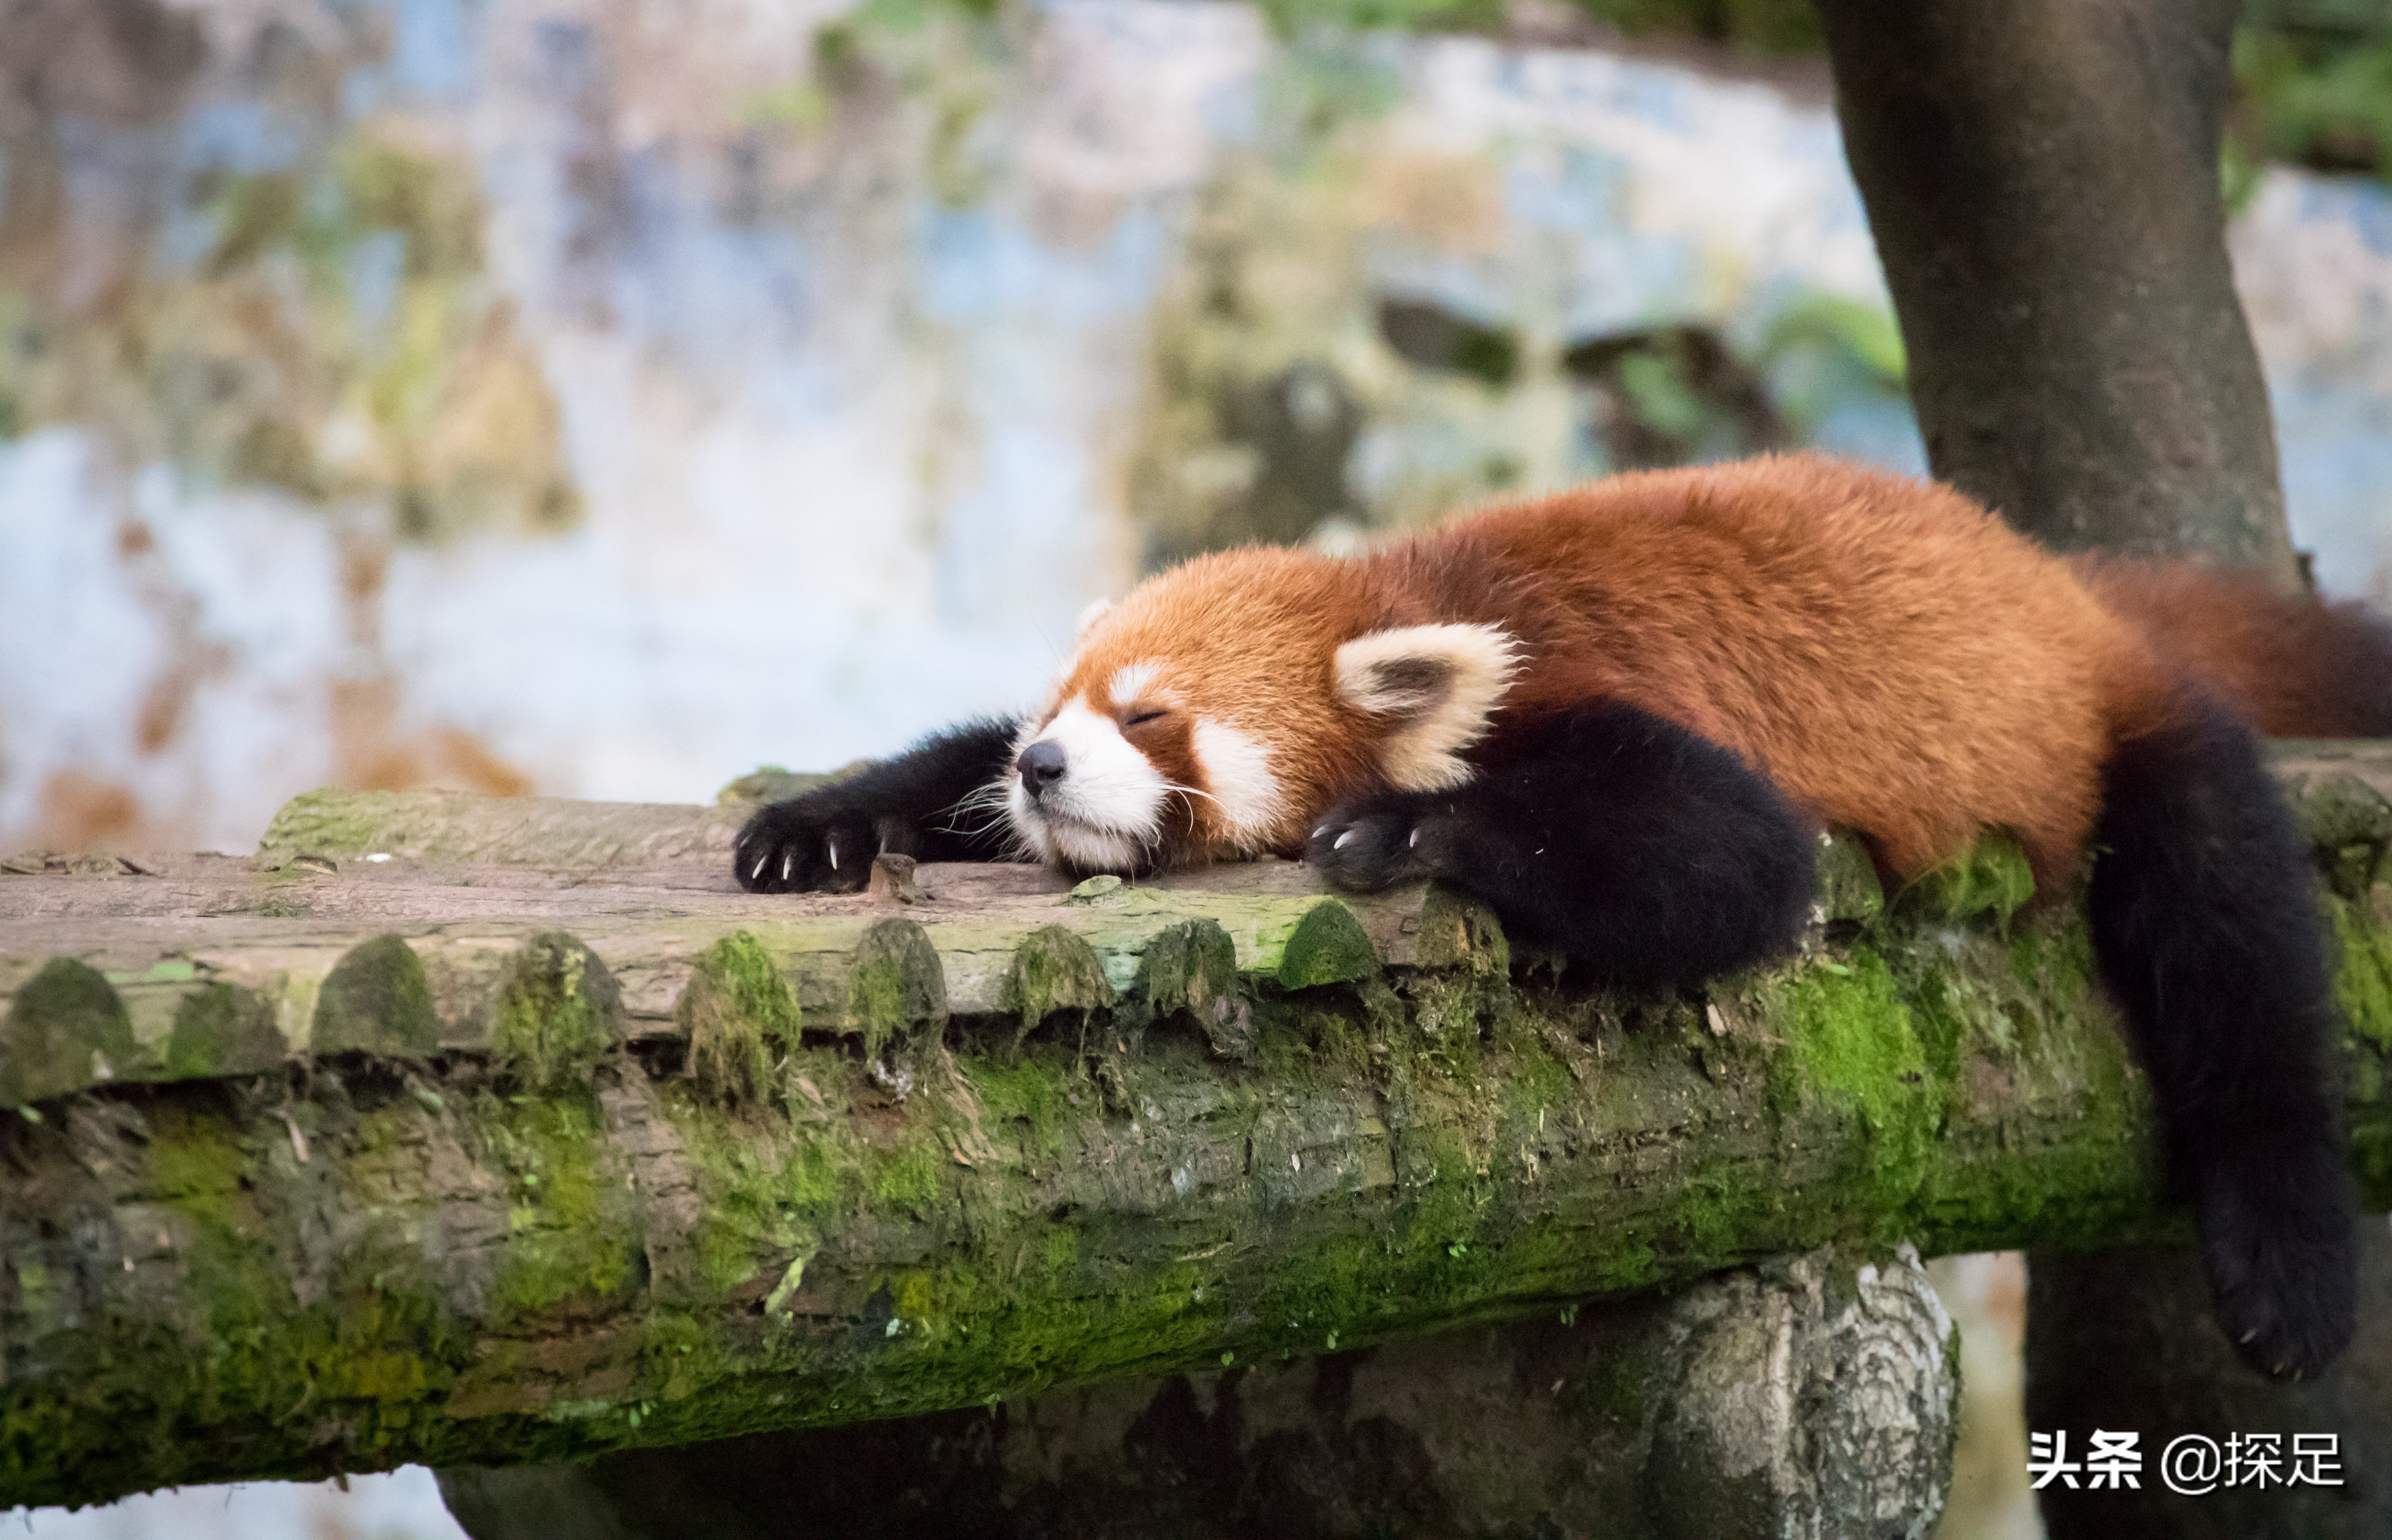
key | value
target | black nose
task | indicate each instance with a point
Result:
(1041, 765)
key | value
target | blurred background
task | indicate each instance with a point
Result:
(604, 397)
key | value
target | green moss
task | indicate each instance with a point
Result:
(741, 1019)
(559, 1012)
(896, 986)
(195, 1163)
(813, 1181)
(1032, 1091)
(66, 1029)
(2363, 984)
(2005, 997)
(1327, 946)
(570, 1226)
(1536, 1079)
(1992, 877)
(1849, 1033)
(2348, 825)
(1457, 931)
(368, 1335)
(906, 1179)
(1848, 886)
(224, 1030)
(1191, 967)
(376, 999)
(326, 821)
(1054, 969)
(1461, 984)
(1716, 1218)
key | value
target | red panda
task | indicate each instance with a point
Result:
(1621, 715)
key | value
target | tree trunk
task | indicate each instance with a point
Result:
(2042, 178)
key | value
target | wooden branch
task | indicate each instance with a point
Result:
(1815, 1395)
(536, 1139)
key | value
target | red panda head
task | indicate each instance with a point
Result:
(1222, 707)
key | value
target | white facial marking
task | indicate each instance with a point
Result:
(1106, 810)
(1131, 684)
(1237, 770)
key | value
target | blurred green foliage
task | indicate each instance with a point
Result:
(2314, 84)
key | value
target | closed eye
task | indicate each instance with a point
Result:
(1141, 718)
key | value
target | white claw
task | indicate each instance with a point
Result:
(1322, 830)
(1413, 841)
(758, 875)
(788, 861)
(1342, 839)
(834, 855)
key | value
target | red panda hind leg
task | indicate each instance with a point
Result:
(2204, 920)
(1646, 854)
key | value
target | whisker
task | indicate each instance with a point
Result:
(1190, 791)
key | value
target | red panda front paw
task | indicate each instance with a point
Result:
(805, 846)
(1376, 842)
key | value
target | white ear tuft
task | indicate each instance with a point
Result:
(1435, 687)
(1089, 616)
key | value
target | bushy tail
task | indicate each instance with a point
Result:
(2205, 929)
(2293, 667)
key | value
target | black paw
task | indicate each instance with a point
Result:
(805, 846)
(2283, 1266)
(1378, 841)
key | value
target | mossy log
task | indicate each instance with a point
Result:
(474, 1131)
(1815, 1395)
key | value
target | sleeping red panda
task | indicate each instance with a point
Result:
(1620, 715)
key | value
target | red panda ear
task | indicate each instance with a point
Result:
(1432, 687)
(1089, 616)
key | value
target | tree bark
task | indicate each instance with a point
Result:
(2042, 178)
(561, 1144)
(1813, 1397)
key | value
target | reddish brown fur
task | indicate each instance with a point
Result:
(1898, 661)
(2295, 667)
(1251, 633)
